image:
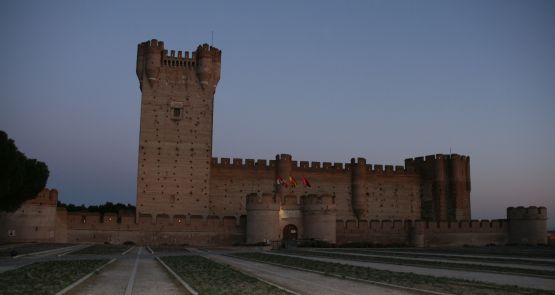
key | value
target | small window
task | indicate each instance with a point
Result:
(176, 110)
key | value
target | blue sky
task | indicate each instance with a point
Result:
(321, 80)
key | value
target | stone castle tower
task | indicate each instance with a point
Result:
(175, 142)
(445, 181)
(184, 196)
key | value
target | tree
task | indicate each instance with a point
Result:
(108, 207)
(21, 178)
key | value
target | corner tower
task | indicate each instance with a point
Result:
(445, 182)
(175, 141)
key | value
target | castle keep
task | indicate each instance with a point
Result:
(184, 196)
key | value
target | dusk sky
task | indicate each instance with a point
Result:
(320, 80)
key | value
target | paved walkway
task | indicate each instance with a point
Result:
(502, 279)
(304, 282)
(475, 256)
(409, 259)
(140, 275)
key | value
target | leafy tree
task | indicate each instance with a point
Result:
(108, 207)
(21, 178)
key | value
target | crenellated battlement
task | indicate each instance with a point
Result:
(431, 158)
(243, 163)
(377, 169)
(318, 203)
(265, 201)
(290, 202)
(190, 59)
(527, 225)
(527, 213)
(45, 197)
(483, 225)
(206, 50)
(423, 226)
(112, 221)
(181, 60)
(152, 57)
(152, 44)
(361, 165)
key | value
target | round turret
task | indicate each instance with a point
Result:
(283, 171)
(149, 57)
(209, 60)
(359, 187)
(527, 225)
(319, 217)
(262, 218)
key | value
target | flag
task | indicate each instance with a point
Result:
(305, 182)
(292, 181)
(280, 181)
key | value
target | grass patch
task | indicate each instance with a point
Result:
(511, 251)
(102, 249)
(442, 257)
(168, 249)
(31, 248)
(440, 284)
(209, 277)
(425, 263)
(45, 277)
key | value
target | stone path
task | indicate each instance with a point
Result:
(408, 259)
(304, 282)
(135, 273)
(463, 255)
(502, 279)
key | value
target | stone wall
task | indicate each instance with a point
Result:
(34, 221)
(390, 192)
(423, 233)
(86, 227)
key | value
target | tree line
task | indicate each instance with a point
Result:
(107, 207)
(21, 178)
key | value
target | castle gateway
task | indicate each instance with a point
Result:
(184, 196)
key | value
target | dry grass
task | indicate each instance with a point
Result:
(45, 277)
(209, 277)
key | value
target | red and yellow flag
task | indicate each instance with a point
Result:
(292, 181)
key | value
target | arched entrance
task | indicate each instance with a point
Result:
(290, 232)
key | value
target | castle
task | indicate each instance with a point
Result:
(184, 196)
